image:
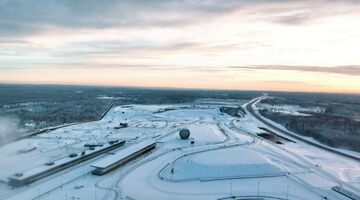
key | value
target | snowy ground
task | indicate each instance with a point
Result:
(226, 159)
(342, 169)
(291, 109)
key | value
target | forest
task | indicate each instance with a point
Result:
(34, 107)
(337, 126)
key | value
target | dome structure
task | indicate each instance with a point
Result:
(184, 134)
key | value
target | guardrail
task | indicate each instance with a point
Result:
(346, 193)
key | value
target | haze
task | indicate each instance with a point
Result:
(219, 44)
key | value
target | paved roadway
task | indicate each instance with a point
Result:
(249, 108)
(258, 117)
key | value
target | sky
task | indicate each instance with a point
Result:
(293, 45)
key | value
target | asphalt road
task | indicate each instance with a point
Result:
(258, 117)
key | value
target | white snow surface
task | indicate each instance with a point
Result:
(291, 109)
(227, 159)
(218, 164)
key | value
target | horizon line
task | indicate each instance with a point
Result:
(178, 88)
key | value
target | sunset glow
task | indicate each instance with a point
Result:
(219, 44)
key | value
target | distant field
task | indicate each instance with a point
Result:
(332, 119)
(329, 118)
(32, 107)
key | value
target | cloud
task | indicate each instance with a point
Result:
(13, 41)
(200, 36)
(351, 70)
(22, 17)
(300, 13)
(143, 47)
(295, 19)
(111, 46)
(127, 67)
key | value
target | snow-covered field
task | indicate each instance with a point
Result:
(291, 109)
(223, 158)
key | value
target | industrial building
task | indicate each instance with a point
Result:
(112, 162)
(32, 175)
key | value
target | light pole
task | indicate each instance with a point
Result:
(95, 193)
(287, 192)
